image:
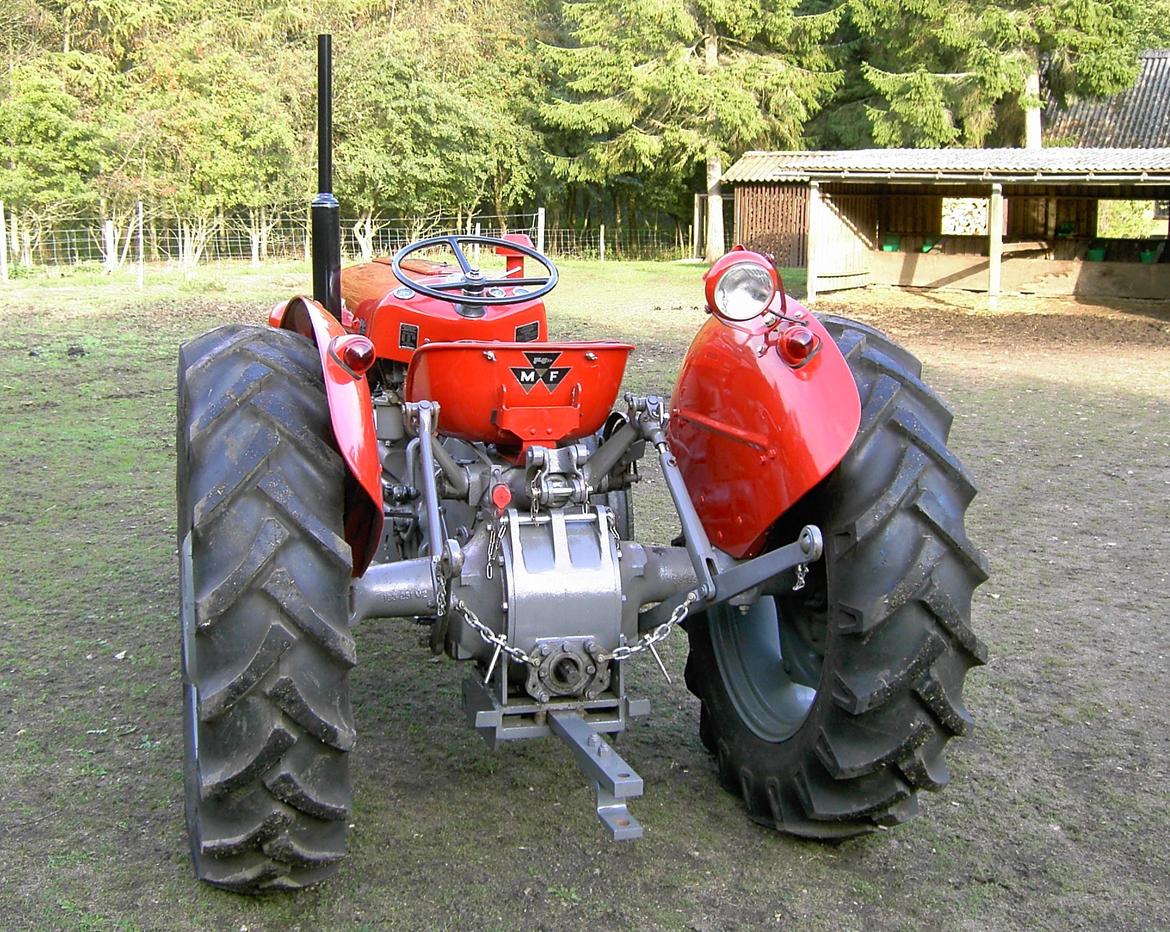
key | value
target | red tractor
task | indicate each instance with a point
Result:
(410, 443)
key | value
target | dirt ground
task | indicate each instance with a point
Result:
(1056, 817)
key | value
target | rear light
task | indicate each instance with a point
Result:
(798, 345)
(354, 352)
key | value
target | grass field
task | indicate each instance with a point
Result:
(1056, 817)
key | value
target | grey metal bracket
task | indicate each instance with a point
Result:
(613, 779)
(522, 718)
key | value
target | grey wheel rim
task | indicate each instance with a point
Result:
(773, 698)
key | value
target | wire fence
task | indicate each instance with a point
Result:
(190, 241)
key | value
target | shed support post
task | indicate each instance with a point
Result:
(995, 246)
(812, 229)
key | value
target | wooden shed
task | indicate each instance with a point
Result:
(1027, 218)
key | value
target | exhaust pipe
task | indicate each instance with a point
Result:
(326, 212)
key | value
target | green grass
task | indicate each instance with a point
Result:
(1049, 822)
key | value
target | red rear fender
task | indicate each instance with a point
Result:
(752, 433)
(351, 415)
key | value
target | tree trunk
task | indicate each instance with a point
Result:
(714, 168)
(714, 209)
(363, 232)
(265, 228)
(1033, 138)
(254, 235)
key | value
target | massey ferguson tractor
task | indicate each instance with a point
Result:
(411, 443)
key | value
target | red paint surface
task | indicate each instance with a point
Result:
(481, 398)
(351, 414)
(368, 290)
(751, 433)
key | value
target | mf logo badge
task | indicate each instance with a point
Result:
(540, 369)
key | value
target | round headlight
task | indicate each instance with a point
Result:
(744, 291)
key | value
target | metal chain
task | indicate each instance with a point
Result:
(440, 588)
(801, 573)
(661, 633)
(498, 641)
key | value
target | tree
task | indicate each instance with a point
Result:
(50, 152)
(652, 88)
(947, 72)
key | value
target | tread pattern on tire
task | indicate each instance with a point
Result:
(261, 492)
(896, 612)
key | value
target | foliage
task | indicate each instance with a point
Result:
(947, 72)
(602, 110)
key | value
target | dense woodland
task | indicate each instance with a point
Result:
(602, 111)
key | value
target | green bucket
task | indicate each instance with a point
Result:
(1096, 254)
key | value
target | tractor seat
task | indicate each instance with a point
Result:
(518, 394)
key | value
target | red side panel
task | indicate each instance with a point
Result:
(751, 433)
(519, 393)
(351, 414)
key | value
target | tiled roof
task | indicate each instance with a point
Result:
(1138, 118)
(1022, 166)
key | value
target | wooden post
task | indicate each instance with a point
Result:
(540, 229)
(475, 248)
(696, 228)
(601, 243)
(141, 257)
(3, 247)
(995, 246)
(810, 251)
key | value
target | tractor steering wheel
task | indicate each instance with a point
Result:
(471, 287)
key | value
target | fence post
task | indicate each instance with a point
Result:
(475, 248)
(3, 247)
(540, 229)
(601, 243)
(141, 257)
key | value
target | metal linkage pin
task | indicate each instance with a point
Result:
(492, 666)
(661, 665)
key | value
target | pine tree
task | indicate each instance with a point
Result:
(962, 72)
(653, 88)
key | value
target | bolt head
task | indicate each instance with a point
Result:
(603, 751)
(545, 650)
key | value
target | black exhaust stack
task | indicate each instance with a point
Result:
(326, 212)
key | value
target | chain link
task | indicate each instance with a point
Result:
(801, 573)
(440, 589)
(488, 636)
(661, 633)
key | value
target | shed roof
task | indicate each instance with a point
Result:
(1019, 166)
(1136, 118)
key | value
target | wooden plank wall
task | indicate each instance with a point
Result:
(846, 235)
(773, 218)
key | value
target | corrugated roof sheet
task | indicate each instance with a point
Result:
(1138, 118)
(1012, 165)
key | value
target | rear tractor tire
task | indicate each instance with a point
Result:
(266, 648)
(828, 707)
